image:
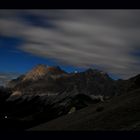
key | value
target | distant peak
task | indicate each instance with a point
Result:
(54, 70)
(41, 70)
(97, 72)
(37, 72)
(51, 68)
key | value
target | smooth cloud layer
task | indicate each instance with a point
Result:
(82, 38)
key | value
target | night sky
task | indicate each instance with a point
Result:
(16, 60)
(108, 40)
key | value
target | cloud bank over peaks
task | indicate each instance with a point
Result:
(81, 38)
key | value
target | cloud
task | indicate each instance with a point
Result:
(82, 38)
(6, 77)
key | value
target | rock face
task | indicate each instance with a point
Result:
(43, 80)
(14, 82)
(45, 93)
(35, 74)
(40, 71)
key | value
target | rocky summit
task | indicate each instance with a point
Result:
(41, 70)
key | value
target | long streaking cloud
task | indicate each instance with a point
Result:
(84, 38)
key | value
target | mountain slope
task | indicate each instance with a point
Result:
(120, 113)
(46, 93)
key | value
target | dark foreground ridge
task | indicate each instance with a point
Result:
(58, 100)
(120, 113)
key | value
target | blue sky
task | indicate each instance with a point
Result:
(15, 60)
(108, 40)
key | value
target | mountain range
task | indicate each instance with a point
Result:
(49, 94)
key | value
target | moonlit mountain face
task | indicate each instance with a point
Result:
(40, 71)
(75, 39)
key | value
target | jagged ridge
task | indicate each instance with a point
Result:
(41, 70)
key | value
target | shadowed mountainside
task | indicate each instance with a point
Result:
(46, 93)
(120, 113)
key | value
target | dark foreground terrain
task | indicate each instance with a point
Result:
(120, 113)
(48, 98)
